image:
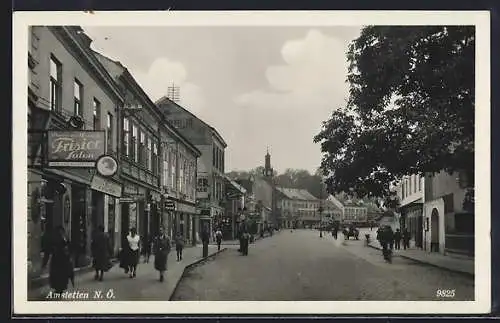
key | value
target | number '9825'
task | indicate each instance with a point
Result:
(450, 293)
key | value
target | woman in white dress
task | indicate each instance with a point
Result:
(133, 242)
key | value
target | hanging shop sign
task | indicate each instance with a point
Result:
(106, 166)
(75, 148)
(106, 186)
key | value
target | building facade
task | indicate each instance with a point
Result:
(354, 211)
(211, 164)
(158, 166)
(300, 208)
(410, 191)
(448, 221)
(69, 89)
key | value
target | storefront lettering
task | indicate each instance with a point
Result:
(76, 146)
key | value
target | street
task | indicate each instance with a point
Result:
(301, 266)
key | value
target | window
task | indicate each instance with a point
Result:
(77, 94)
(126, 137)
(419, 183)
(213, 159)
(409, 185)
(166, 155)
(142, 145)
(109, 131)
(97, 114)
(149, 149)
(402, 191)
(222, 165)
(55, 84)
(155, 162)
(181, 175)
(173, 175)
(415, 183)
(134, 143)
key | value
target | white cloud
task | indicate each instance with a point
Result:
(161, 74)
(314, 76)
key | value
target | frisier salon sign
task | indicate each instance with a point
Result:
(75, 148)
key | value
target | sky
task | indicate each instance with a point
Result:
(258, 86)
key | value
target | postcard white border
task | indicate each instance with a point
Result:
(481, 19)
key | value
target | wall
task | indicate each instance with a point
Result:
(416, 192)
(428, 207)
(71, 68)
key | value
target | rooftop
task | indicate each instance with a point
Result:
(297, 194)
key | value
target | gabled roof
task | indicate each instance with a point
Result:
(165, 99)
(297, 194)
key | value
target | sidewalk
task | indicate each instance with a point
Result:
(460, 265)
(144, 287)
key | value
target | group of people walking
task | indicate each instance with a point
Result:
(159, 245)
(390, 240)
(59, 252)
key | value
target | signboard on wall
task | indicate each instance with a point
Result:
(75, 148)
(106, 186)
(202, 186)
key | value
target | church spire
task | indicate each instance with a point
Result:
(268, 171)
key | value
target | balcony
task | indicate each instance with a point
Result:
(138, 172)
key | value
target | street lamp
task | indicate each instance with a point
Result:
(320, 210)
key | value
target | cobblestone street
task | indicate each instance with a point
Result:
(301, 266)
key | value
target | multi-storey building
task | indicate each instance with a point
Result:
(410, 191)
(354, 211)
(158, 165)
(68, 83)
(433, 211)
(210, 166)
(298, 208)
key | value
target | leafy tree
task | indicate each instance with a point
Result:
(410, 109)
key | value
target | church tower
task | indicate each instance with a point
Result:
(268, 171)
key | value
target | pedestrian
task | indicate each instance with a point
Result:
(133, 240)
(245, 240)
(390, 237)
(101, 252)
(148, 244)
(397, 239)
(218, 237)
(161, 249)
(205, 240)
(57, 249)
(124, 254)
(406, 239)
(179, 245)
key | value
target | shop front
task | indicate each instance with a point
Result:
(188, 219)
(132, 205)
(106, 192)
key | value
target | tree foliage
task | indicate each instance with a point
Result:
(290, 178)
(410, 109)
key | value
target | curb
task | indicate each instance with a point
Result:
(192, 265)
(465, 273)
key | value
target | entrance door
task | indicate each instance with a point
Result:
(418, 238)
(78, 224)
(125, 223)
(435, 231)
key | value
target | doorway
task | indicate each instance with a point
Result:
(435, 230)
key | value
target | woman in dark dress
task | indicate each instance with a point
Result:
(101, 251)
(161, 251)
(61, 267)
